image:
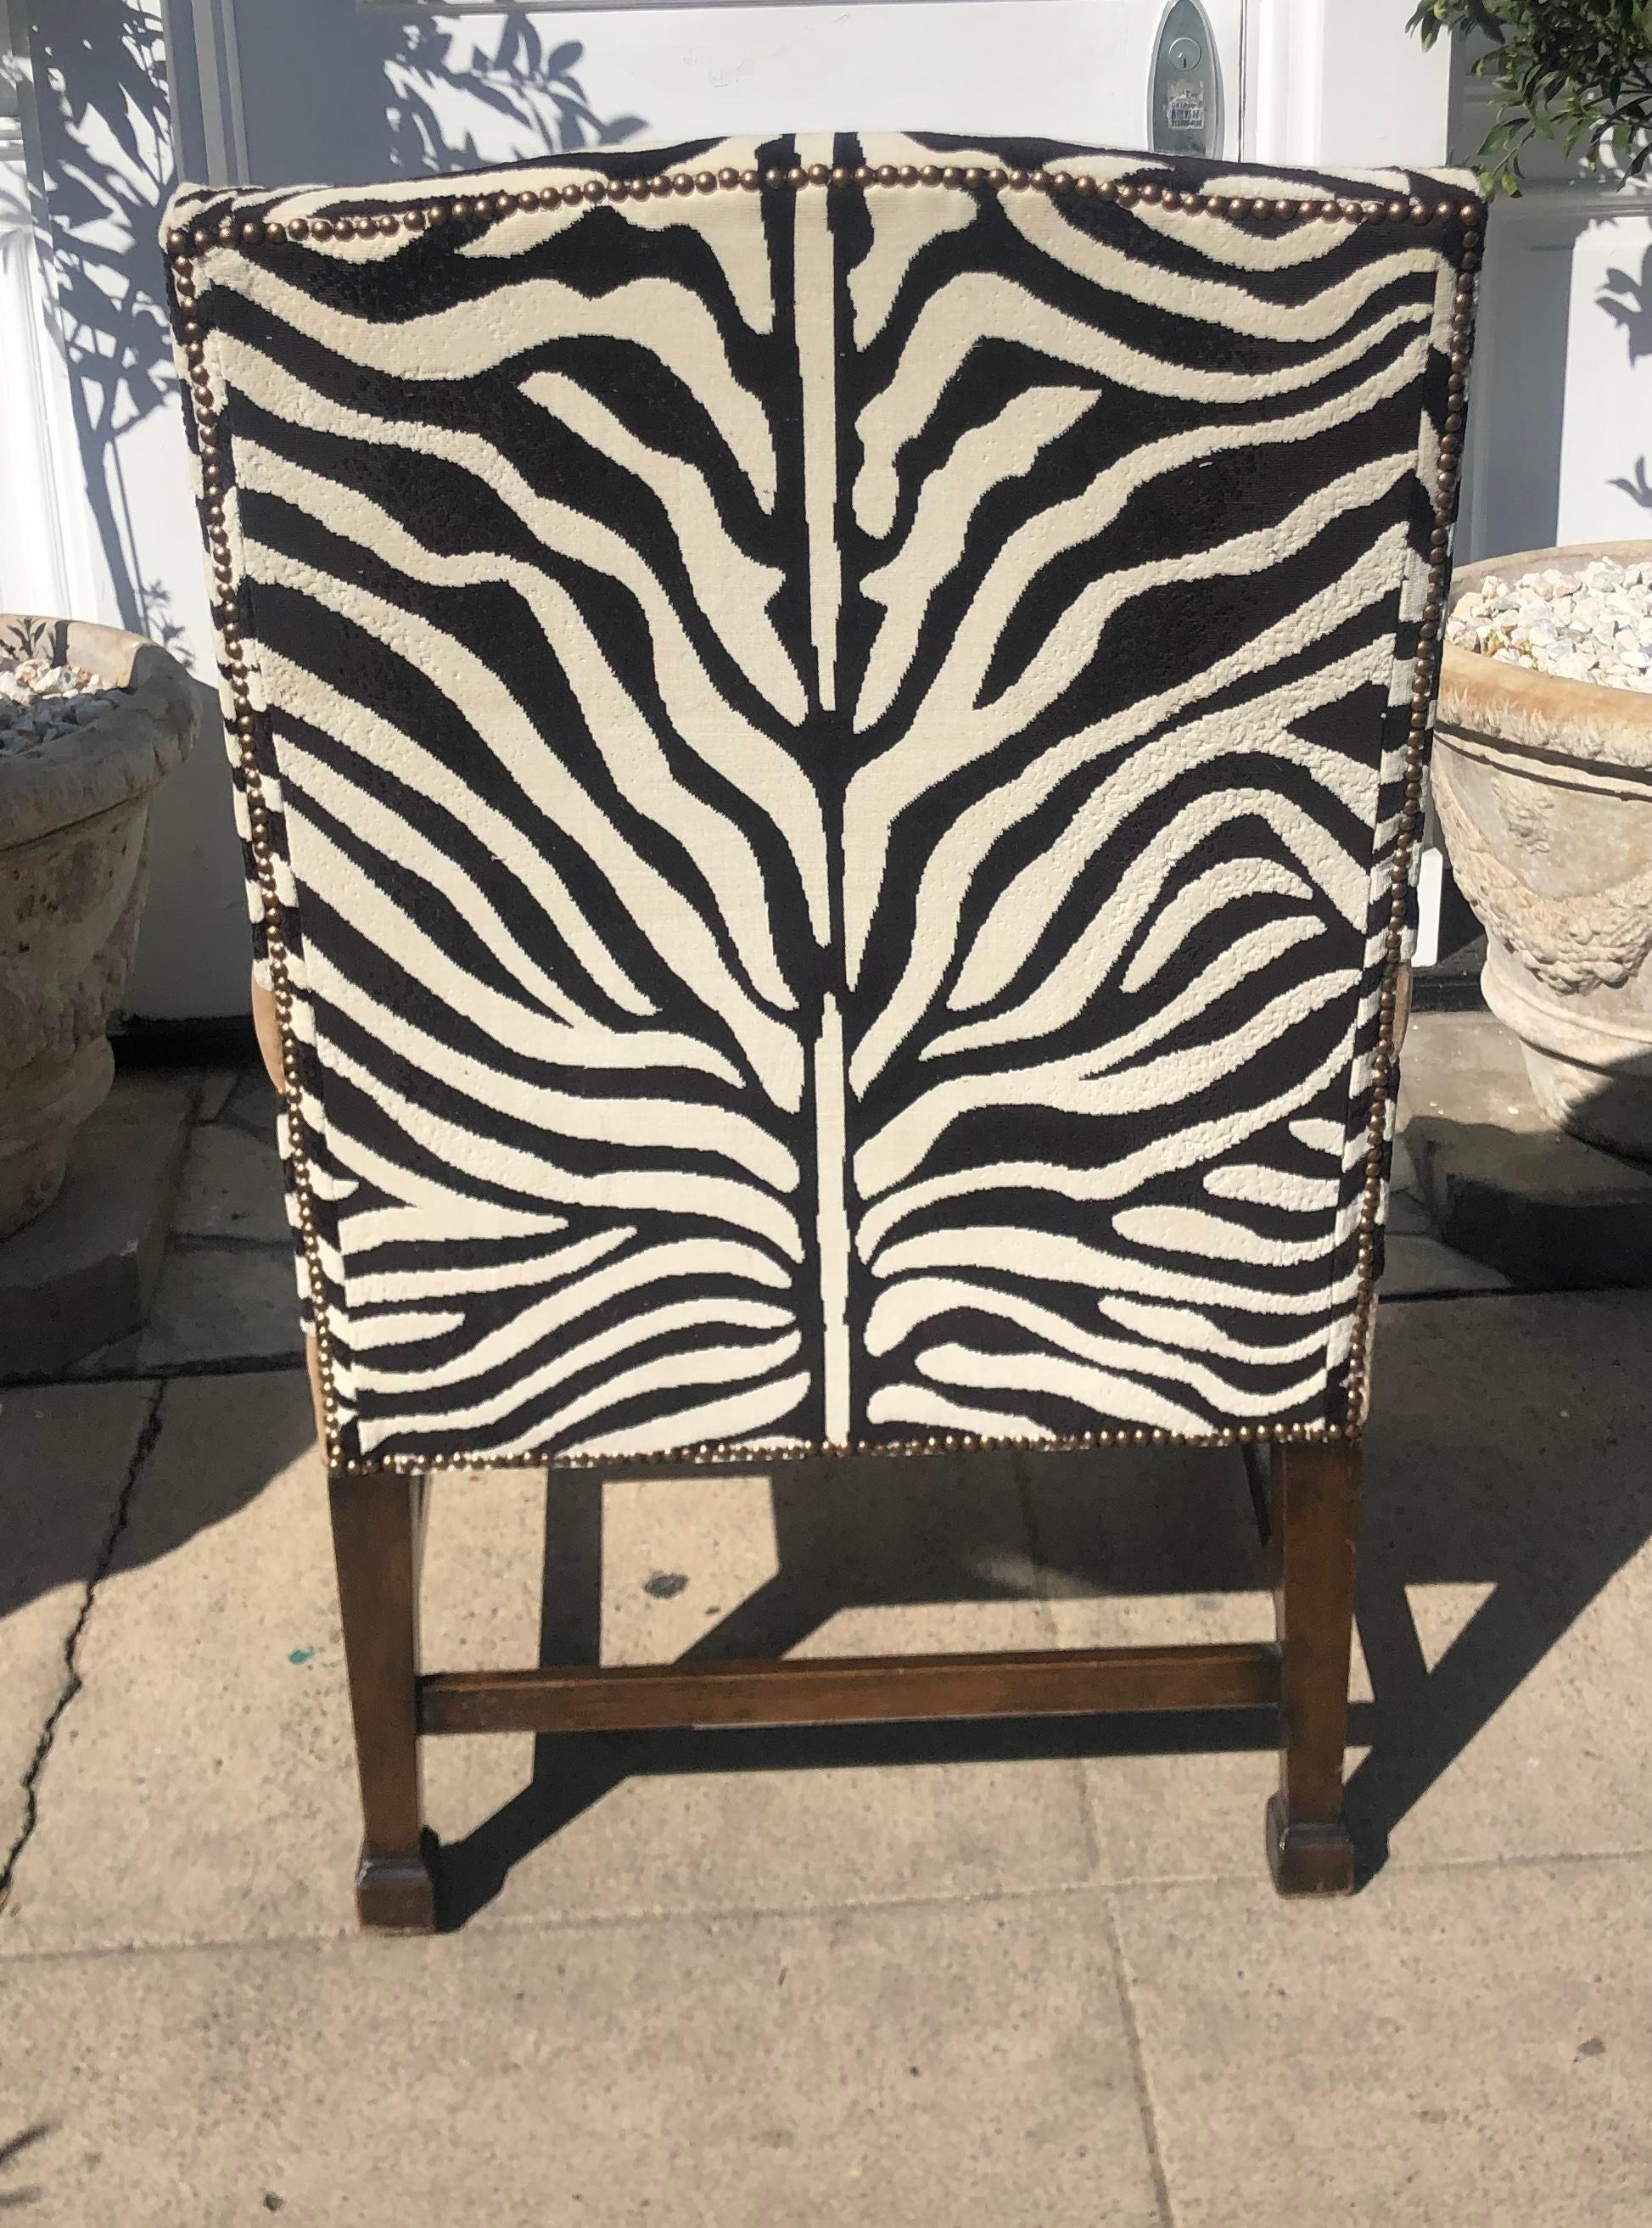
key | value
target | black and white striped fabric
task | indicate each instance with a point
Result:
(833, 759)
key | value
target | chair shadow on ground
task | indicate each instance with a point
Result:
(1506, 1455)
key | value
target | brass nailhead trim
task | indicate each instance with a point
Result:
(1424, 680)
(464, 208)
(1425, 675)
(708, 1454)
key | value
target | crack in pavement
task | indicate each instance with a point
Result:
(149, 1432)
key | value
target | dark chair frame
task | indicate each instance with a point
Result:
(1309, 1498)
(1307, 1490)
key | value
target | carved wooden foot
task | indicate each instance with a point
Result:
(396, 1893)
(1309, 1858)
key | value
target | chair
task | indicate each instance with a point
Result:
(828, 738)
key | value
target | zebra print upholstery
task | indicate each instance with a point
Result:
(824, 766)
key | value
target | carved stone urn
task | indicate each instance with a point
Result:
(1544, 791)
(74, 870)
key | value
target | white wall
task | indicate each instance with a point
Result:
(98, 515)
(34, 571)
(1342, 81)
(389, 87)
(1560, 407)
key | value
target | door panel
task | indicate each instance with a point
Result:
(353, 95)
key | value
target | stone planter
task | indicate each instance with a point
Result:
(1544, 791)
(74, 860)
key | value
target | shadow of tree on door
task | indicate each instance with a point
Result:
(1626, 298)
(529, 89)
(421, 98)
(105, 132)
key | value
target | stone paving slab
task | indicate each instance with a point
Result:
(230, 1188)
(1466, 2045)
(214, 1734)
(217, 1086)
(172, 1749)
(969, 2063)
(1505, 1600)
(1501, 1183)
(215, 1306)
(84, 1272)
(64, 1456)
(220, 1289)
(253, 1103)
(1416, 1265)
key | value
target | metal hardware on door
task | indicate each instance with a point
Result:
(1184, 106)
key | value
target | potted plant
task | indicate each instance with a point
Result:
(1543, 784)
(92, 721)
(1543, 750)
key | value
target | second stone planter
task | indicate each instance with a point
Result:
(1544, 791)
(74, 861)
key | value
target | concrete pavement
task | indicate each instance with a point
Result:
(897, 1974)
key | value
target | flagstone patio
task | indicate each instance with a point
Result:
(897, 1974)
(1002, 1975)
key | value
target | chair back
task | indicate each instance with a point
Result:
(830, 735)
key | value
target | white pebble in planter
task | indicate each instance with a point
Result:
(80, 763)
(1543, 782)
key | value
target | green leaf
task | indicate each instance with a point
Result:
(1576, 71)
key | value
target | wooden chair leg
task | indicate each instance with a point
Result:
(1315, 1518)
(378, 1525)
(377, 1528)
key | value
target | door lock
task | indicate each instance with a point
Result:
(1184, 115)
